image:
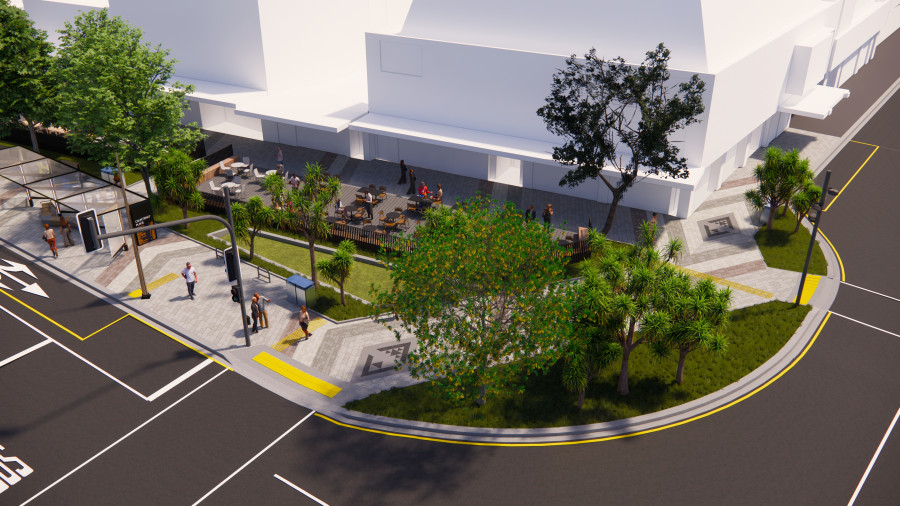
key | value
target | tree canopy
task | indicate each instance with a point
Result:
(115, 94)
(781, 176)
(481, 292)
(176, 179)
(249, 219)
(340, 265)
(25, 89)
(613, 114)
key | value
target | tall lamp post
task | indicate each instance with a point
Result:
(818, 208)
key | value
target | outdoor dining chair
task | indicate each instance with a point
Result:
(215, 189)
(246, 160)
(257, 174)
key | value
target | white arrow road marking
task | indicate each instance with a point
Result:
(32, 288)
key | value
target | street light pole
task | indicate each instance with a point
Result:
(818, 207)
(145, 294)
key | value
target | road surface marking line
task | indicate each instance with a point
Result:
(870, 291)
(86, 361)
(866, 324)
(851, 179)
(41, 314)
(179, 341)
(298, 489)
(264, 450)
(181, 379)
(296, 375)
(601, 439)
(864, 143)
(153, 285)
(809, 288)
(874, 458)
(737, 286)
(24, 352)
(840, 262)
(116, 442)
(103, 328)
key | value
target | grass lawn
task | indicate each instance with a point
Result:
(783, 248)
(89, 166)
(756, 334)
(294, 257)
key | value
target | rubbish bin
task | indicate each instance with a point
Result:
(301, 291)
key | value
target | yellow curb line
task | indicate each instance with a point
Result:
(155, 284)
(840, 262)
(598, 440)
(737, 286)
(851, 177)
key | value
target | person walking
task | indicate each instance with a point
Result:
(262, 300)
(191, 278)
(50, 239)
(547, 214)
(412, 183)
(66, 229)
(402, 172)
(279, 159)
(304, 321)
(530, 213)
(254, 312)
(369, 202)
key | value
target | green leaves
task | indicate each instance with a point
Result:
(781, 176)
(339, 266)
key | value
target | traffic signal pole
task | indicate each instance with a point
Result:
(228, 224)
(145, 294)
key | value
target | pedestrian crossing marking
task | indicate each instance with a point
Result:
(296, 375)
(153, 285)
(731, 284)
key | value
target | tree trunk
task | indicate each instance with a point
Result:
(581, 398)
(312, 260)
(184, 214)
(343, 301)
(617, 196)
(679, 373)
(623, 373)
(145, 174)
(482, 395)
(771, 217)
(33, 134)
(784, 210)
(252, 240)
(799, 218)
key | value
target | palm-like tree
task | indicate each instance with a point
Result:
(249, 219)
(275, 186)
(176, 177)
(780, 177)
(803, 201)
(338, 267)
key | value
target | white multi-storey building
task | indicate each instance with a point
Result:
(454, 86)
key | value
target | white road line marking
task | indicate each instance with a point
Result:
(304, 492)
(179, 380)
(86, 361)
(25, 352)
(874, 458)
(870, 291)
(866, 324)
(139, 427)
(264, 450)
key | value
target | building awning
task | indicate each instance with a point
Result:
(816, 104)
(224, 95)
(456, 137)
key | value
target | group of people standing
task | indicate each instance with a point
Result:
(65, 228)
(546, 214)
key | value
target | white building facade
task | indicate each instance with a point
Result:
(455, 86)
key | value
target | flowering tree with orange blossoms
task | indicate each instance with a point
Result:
(482, 293)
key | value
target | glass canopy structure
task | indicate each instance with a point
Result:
(70, 190)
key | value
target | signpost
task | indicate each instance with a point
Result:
(141, 216)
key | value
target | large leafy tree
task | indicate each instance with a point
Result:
(177, 177)
(249, 219)
(25, 89)
(620, 291)
(339, 266)
(481, 293)
(308, 207)
(115, 94)
(692, 317)
(613, 114)
(780, 177)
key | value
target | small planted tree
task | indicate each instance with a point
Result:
(275, 186)
(338, 267)
(249, 219)
(177, 177)
(780, 177)
(604, 108)
(481, 293)
(690, 317)
(804, 199)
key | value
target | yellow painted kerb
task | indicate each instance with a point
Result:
(153, 285)
(296, 375)
(610, 438)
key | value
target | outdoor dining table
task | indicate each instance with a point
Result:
(240, 167)
(392, 216)
(230, 186)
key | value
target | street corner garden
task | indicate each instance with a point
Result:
(507, 341)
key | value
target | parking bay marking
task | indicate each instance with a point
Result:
(24, 352)
(49, 339)
(874, 458)
(298, 489)
(866, 324)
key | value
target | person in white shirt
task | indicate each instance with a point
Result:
(369, 202)
(191, 278)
